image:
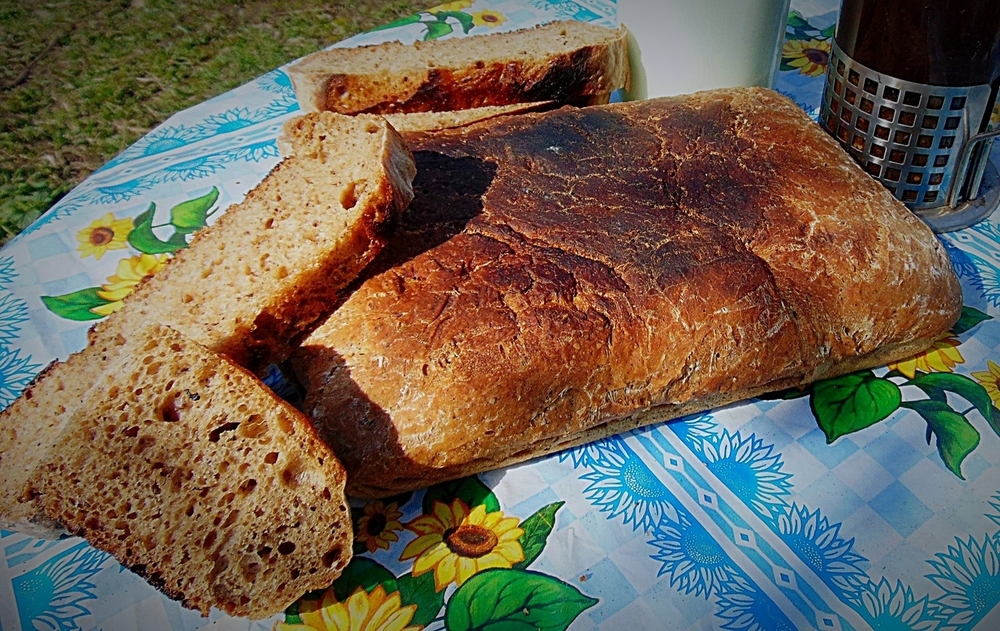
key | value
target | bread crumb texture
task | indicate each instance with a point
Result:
(272, 264)
(194, 475)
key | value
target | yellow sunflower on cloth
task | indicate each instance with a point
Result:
(378, 526)
(810, 57)
(122, 283)
(942, 356)
(990, 380)
(457, 5)
(456, 543)
(362, 612)
(106, 233)
(488, 18)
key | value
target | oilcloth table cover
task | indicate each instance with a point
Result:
(868, 501)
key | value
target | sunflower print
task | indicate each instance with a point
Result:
(377, 528)
(942, 356)
(130, 273)
(363, 611)
(456, 543)
(106, 233)
(810, 57)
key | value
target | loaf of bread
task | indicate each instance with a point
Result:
(192, 473)
(563, 276)
(568, 62)
(247, 286)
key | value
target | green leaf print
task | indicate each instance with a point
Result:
(849, 403)
(956, 437)
(420, 591)
(463, 18)
(961, 385)
(470, 490)
(362, 572)
(970, 317)
(410, 19)
(436, 30)
(77, 305)
(514, 600)
(187, 217)
(142, 238)
(537, 529)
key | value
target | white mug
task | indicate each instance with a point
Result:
(682, 46)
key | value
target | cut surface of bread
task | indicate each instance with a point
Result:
(559, 61)
(193, 474)
(247, 286)
(250, 284)
(563, 276)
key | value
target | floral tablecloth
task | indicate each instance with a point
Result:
(868, 501)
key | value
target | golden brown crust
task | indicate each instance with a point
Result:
(456, 74)
(565, 275)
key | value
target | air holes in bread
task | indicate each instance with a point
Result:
(291, 473)
(286, 547)
(247, 487)
(332, 557)
(168, 411)
(216, 433)
(349, 196)
(271, 458)
(371, 128)
(254, 426)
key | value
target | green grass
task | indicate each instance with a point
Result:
(81, 80)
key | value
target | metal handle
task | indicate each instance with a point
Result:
(957, 187)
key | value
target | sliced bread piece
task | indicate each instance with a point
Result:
(250, 284)
(192, 473)
(564, 61)
(246, 285)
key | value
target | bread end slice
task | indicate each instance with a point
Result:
(564, 61)
(194, 475)
(249, 285)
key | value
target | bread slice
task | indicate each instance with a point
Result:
(567, 275)
(561, 61)
(192, 473)
(249, 285)
(245, 287)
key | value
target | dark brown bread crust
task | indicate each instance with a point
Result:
(566, 275)
(565, 78)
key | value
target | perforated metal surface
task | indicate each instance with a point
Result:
(908, 135)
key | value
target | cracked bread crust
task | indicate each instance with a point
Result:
(563, 276)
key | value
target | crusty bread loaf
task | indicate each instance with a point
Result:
(193, 474)
(566, 275)
(562, 61)
(246, 286)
